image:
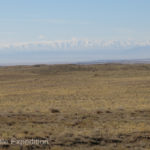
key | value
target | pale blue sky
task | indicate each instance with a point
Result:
(39, 24)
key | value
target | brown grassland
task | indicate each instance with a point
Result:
(76, 107)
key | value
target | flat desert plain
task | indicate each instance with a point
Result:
(76, 107)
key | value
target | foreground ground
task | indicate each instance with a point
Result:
(91, 107)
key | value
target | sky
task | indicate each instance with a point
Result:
(61, 31)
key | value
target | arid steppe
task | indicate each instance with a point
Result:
(76, 107)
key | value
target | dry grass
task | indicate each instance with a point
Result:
(77, 107)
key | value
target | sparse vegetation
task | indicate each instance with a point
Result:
(77, 106)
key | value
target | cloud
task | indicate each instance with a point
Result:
(41, 37)
(49, 21)
(7, 32)
(74, 44)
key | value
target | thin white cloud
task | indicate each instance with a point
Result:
(74, 44)
(47, 20)
(7, 32)
(41, 37)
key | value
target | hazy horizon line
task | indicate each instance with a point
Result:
(102, 61)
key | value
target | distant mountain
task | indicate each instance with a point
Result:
(132, 61)
(83, 56)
